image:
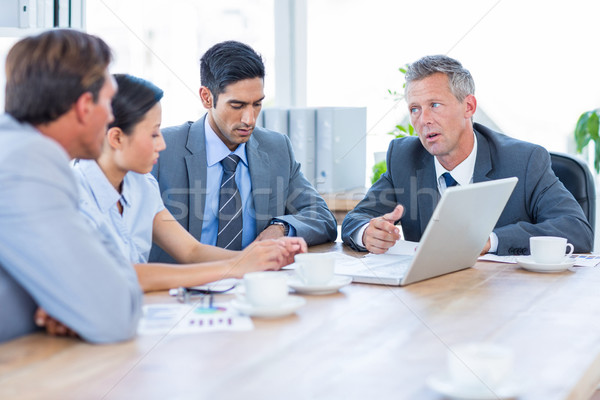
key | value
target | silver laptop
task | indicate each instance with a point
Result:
(453, 239)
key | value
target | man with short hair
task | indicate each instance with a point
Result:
(452, 150)
(58, 105)
(227, 181)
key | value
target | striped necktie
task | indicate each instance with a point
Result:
(449, 180)
(230, 207)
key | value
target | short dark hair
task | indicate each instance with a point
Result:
(459, 78)
(133, 100)
(47, 73)
(229, 62)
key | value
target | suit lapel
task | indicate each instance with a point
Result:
(260, 175)
(483, 161)
(196, 170)
(427, 191)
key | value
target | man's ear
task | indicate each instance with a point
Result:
(206, 97)
(114, 138)
(470, 106)
(83, 107)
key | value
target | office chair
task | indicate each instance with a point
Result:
(578, 180)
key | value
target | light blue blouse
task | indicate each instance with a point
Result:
(141, 201)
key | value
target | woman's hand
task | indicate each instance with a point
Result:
(53, 326)
(294, 245)
(268, 255)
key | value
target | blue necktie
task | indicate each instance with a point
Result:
(230, 207)
(449, 180)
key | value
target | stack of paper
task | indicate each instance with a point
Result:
(161, 319)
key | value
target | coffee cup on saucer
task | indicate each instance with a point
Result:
(549, 249)
(315, 268)
(479, 367)
(265, 289)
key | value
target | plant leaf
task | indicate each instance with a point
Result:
(597, 157)
(593, 124)
(582, 136)
(378, 169)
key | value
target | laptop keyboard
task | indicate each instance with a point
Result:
(381, 265)
(384, 265)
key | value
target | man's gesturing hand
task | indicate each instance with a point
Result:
(381, 234)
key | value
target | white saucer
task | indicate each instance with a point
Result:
(528, 263)
(337, 282)
(442, 384)
(291, 304)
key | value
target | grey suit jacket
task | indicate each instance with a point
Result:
(279, 189)
(540, 204)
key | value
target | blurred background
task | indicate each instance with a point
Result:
(535, 63)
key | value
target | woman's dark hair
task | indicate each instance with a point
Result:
(229, 62)
(133, 100)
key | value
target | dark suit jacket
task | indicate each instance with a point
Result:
(539, 206)
(279, 189)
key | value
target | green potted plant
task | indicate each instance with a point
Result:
(398, 132)
(586, 130)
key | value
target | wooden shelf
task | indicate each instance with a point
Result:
(340, 203)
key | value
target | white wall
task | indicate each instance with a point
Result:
(535, 63)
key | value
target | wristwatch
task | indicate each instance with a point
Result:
(286, 227)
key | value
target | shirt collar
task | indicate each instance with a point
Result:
(126, 192)
(463, 172)
(104, 193)
(216, 149)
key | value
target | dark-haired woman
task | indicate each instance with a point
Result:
(123, 202)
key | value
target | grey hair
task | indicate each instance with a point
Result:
(459, 78)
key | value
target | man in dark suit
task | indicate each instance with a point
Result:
(271, 194)
(452, 150)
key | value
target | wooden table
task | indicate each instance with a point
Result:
(367, 341)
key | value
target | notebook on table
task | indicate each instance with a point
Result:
(453, 239)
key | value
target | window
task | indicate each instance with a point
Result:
(534, 63)
(5, 44)
(163, 42)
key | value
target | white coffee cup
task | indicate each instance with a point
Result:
(479, 367)
(315, 268)
(265, 289)
(549, 249)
